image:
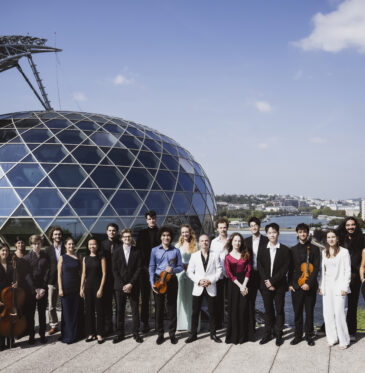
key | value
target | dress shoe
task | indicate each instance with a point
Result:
(310, 341)
(146, 328)
(137, 338)
(279, 341)
(43, 339)
(89, 339)
(215, 338)
(31, 341)
(295, 341)
(118, 338)
(191, 338)
(160, 339)
(265, 340)
(52, 331)
(101, 341)
(173, 339)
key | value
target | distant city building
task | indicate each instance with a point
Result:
(363, 209)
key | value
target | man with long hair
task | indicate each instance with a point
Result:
(352, 238)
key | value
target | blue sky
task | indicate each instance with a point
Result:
(267, 95)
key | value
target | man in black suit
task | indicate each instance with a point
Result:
(273, 263)
(147, 239)
(303, 295)
(53, 254)
(108, 247)
(126, 269)
(253, 244)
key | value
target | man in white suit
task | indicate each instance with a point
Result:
(204, 270)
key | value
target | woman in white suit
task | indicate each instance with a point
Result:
(204, 270)
(334, 286)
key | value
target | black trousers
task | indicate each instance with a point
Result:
(121, 303)
(93, 304)
(352, 301)
(145, 290)
(307, 300)
(253, 287)
(171, 295)
(197, 304)
(107, 301)
(274, 301)
(220, 301)
(41, 305)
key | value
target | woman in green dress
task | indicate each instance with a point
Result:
(187, 245)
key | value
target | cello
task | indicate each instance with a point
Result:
(12, 323)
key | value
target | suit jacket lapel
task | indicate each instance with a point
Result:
(210, 260)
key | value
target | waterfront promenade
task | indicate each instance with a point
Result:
(203, 356)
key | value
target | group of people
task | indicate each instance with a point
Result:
(222, 276)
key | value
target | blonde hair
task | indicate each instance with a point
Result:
(35, 238)
(193, 247)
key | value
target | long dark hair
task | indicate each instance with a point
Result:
(343, 234)
(245, 255)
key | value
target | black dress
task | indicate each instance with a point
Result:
(71, 301)
(93, 278)
(238, 312)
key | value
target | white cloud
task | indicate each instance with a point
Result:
(263, 106)
(317, 140)
(79, 96)
(343, 28)
(122, 80)
(262, 145)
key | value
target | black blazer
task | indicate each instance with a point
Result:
(262, 244)
(280, 268)
(39, 268)
(52, 259)
(298, 255)
(145, 244)
(6, 277)
(126, 274)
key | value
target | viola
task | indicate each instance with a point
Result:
(165, 277)
(12, 323)
(306, 268)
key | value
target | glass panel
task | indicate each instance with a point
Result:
(71, 137)
(25, 175)
(106, 177)
(36, 136)
(158, 202)
(186, 165)
(148, 159)
(50, 153)
(130, 142)
(12, 152)
(104, 139)
(68, 175)
(198, 168)
(88, 126)
(125, 202)
(27, 123)
(170, 162)
(113, 128)
(154, 135)
(44, 202)
(121, 157)
(24, 227)
(87, 202)
(6, 135)
(210, 204)
(88, 154)
(5, 122)
(139, 178)
(195, 224)
(180, 203)
(135, 131)
(166, 180)
(183, 152)
(71, 227)
(58, 123)
(8, 202)
(199, 184)
(186, 182)
(170, 148)
(198, 203)
(99, 228)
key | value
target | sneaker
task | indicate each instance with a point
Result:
(353, 338)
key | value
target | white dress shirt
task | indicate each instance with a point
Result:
(217, 246)
(272, 255)
(57, 251)
(255, 249)
(127, 251)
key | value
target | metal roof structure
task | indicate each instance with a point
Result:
(13, 48)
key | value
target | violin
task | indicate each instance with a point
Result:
(12, 323)
(165, 277)
(306, 268)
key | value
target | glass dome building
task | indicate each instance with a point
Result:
(82, 171)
